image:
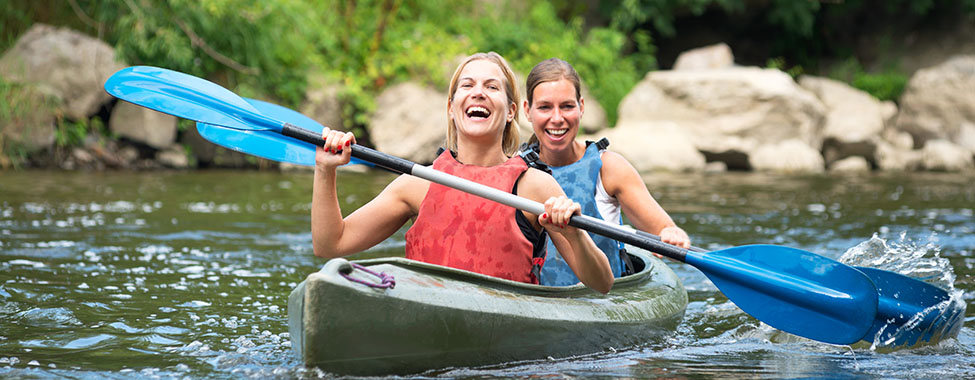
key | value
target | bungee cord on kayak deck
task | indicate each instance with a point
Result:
(386, 281)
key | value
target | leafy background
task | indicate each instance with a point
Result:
(271, 49)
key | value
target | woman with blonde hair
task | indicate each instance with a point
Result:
(450, 227)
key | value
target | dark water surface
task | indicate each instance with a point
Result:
(186, 274)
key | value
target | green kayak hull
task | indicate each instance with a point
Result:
(437, 317)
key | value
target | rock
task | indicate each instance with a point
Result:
(143, 125)
(322, 104)
(654, 146)
(716, 56)
(942, 155)
(854, 164)
(173, 157)
(208, 154)
(790, 156)
(715, 167)
(410, 122)
(727, 114)
(29, 126)
(938, 101)
(72, 65)
(899, 139)
(854, 118)
(895, 158)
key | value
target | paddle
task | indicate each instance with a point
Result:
(793, 290)
(909, 311)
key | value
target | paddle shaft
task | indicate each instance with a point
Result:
(400, 165)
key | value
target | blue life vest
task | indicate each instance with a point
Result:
(579, 180)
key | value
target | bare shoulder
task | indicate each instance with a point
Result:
(617, 173)
(538, 185)
(615, 163)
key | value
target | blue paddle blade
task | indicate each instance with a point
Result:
(911, 311)
(185, 96)
(267, 144)
(793, 290)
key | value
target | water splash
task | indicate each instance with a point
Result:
(910, 313)
(907, 257)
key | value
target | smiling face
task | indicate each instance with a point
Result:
(480, 106)
(555, 113)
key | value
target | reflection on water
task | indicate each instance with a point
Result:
(159, 275)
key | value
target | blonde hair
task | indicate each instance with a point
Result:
(509, 138)
(550, 70)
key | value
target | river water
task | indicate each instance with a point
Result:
(186, 274)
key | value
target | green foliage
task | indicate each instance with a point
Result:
(19, 103)
(268, 49)
(887, 84)
(779, 63)
(73, 133)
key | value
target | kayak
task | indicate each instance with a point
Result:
(350, 317)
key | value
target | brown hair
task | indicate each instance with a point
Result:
(509, 138)
(551, 70)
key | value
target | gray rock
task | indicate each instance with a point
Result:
(939, 101)
(655, 146)
(322, 104)
(789, 156)
(143, 125)
(173, 157)
(854, 164)
(410, 121)
(72, 65)
(715, 56)
(728, 114)
(31, 123)
(943, 155)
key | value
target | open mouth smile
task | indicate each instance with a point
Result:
(477, 113)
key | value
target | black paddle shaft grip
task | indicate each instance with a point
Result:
(640, 239)
(391, 163)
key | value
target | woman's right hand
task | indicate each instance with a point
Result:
(335, 152)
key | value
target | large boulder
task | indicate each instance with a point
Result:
(943, 155)
(939, 103)
(894, 157)
(789, 156)
(410, 121)
(72, 65)
(28, 126)
(654, 146)
(717, 56)
(728, 114)
(143, 125)
(322, 103)
(207, 154)
(854, 119)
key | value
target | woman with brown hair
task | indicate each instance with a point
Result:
(603, 182)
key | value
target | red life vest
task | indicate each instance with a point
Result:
(465, 231)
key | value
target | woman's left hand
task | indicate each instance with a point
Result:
(558, 211)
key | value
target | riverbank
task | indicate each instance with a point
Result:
(706, 113)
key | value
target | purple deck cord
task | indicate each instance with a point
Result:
(387, 281)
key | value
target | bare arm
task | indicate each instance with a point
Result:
(333, 236)
(623, 182)
(576, 246)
